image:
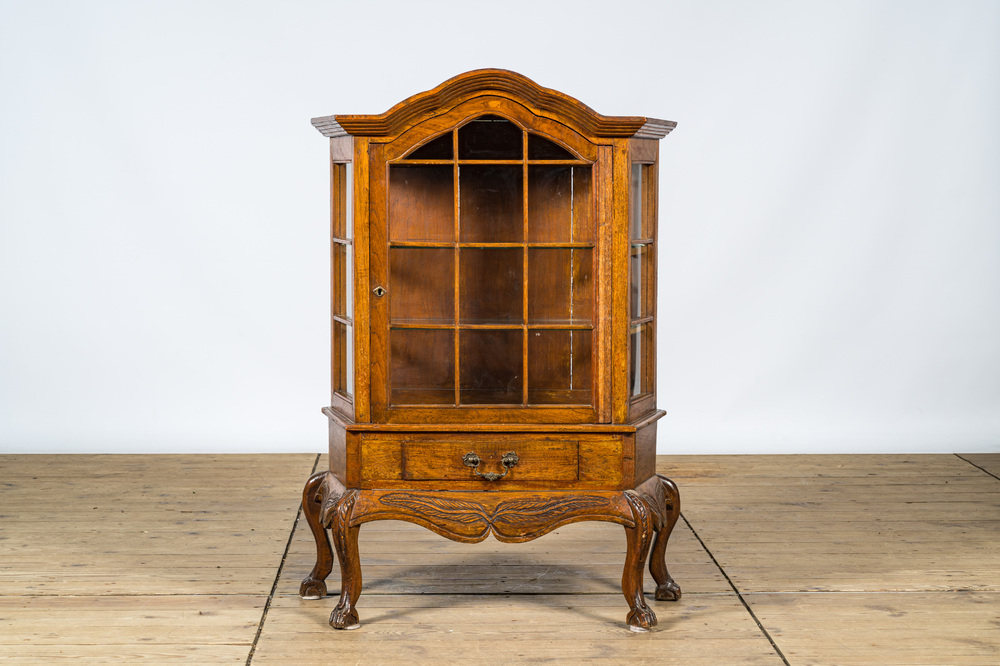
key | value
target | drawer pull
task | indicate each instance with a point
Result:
(508, 460)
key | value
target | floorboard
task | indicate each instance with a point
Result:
(850, 559)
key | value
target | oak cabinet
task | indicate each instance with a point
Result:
(493, 327)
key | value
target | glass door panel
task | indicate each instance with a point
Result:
(490, 365)
(490, 138)
(490, 203)
(559, 367)
(559, 204)
(560, 285)
(540, 148)
(421, 285)
(491, 285)
(421, 203)
(422, 366)
(439, 148)
(462, 329)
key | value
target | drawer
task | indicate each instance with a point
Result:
(537, 460)
(438, 460)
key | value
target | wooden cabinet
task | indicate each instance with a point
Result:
(493, 327)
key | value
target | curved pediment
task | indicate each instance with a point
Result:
(500, 82)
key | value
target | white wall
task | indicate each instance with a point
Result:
(830, 265)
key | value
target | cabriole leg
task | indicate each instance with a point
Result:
(640, 616)
(314, 585)
(666, 588)
(345, 540)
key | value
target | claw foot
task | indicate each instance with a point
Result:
(669, 591)
(344, 618)
(312, 589)
(641, 619)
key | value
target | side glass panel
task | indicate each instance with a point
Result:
(491, 271)
(342, 279)
(642, 280)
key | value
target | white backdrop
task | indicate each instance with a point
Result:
(830, 265)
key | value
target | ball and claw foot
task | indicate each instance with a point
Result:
(641, 619)
(344, 618)
(669, 591)
(312, 589)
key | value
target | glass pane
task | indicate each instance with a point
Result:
(349, 359)
(435, 149)
(641, 359)
(540, 148)
(635, 225)
(491, 285)
(349, 280)
(559, 367)
(583, 206)
(338, 276)
(550, 204)
(490, 363)
(421, 203)
(343, 359)
(560, 285)
(490, 138)
(342, 204)
(422, 367)
(491, 205)
(559, 204)
(348, 200)
(641, 278)
(421, 285)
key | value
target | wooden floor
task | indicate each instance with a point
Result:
(783, 559)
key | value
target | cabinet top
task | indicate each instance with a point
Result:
(501, 83)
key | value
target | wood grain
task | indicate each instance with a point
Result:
(165, 568)
(543, 101)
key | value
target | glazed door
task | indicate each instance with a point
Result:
(484, 265)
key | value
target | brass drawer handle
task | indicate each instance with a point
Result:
(508, 460)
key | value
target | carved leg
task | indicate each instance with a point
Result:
(640, 616)
(314, 585)
(666, 588)
(345, 540)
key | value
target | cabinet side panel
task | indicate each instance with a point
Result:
(338, 450)
(353, 472)
(645, 452)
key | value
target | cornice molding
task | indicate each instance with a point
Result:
(501, 82)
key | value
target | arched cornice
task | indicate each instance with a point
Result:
(502, 82)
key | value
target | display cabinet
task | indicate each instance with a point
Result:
(493, 327)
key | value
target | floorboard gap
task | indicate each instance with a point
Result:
(277, 576)
(978, 467)
(739, 595)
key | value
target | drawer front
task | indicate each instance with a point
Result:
(537, 460)
(418, 460)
